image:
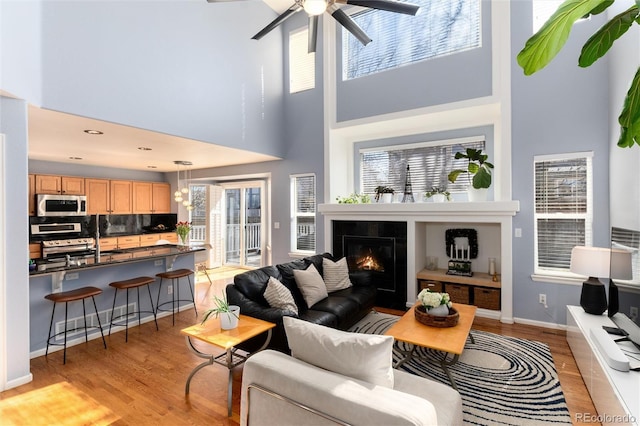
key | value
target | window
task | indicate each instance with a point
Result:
(303, 213)
(441, 28)
(542, 11)
(563, 209)
(302, 64)
(629, 240)
(429, 164)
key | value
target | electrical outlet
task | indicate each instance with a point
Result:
(158, 262)
(73, 276)
(542, 299)
(633, 313)
(170, 289)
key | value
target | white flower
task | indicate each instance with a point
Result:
(431, 299)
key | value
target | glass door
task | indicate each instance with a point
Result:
(243, 222)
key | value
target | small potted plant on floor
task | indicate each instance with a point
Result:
(439, 194)
(229, 314)
(384, 194)
(478, 170)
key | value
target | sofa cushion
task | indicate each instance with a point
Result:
(289, 281)
(317, 261)
(366, 357)
(364, 296)
(341, 307)
(252, 283)
(278, 296)
(311, 285)
(335, 274)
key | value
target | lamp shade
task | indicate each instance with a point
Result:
(591, 261)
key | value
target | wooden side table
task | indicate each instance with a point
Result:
(211, 333)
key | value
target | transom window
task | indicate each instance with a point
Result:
(429, 164)
(563, 209)
(302, 64)
(441, 28)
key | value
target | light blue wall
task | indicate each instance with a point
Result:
(562, 108)
(185, 68)
(14, 239)
(451, 78)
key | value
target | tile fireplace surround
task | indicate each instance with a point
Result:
(419, 216)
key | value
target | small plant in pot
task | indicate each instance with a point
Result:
(354, 198)
(229, 314)
(478, 170)
(438, 194)
(384, 194)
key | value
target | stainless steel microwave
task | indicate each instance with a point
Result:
(61, 205)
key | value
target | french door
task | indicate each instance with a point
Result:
(244, 223)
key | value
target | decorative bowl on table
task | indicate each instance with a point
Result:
(423, 317)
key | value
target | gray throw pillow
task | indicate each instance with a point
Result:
(311, 285)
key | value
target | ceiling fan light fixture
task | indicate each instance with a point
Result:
(315, 7)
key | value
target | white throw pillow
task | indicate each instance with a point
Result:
(336, 274)
(311, 285)
(366, 357)
(279, 296)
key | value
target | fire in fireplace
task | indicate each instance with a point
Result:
(369, 262)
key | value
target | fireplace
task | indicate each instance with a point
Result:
(379, 250)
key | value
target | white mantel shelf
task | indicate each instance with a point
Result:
(465, 209)
(418, 216)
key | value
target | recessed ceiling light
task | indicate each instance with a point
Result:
(152, 167)
(93, 132)
(144, 148)
(75, 158)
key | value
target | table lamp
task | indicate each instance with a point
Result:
(594, 262)
(621, 269)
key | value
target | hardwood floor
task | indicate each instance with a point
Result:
(142, 382)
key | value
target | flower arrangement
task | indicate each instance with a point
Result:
(183, 229)
(431, 299)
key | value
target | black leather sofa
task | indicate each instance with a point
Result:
(340, 310)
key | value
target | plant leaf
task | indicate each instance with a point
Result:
(473, 168)
(544, 45)
(482, 179)
(602, 7)
(599, 43)
(453, 175)
(630, 116)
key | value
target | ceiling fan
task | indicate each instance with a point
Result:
(314, 8)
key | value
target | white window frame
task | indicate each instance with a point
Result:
(302, 64)
(563, 276)
(295, 252)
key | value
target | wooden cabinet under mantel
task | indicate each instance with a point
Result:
(479, 290)
(151, 197)
(106, 196)
(65, 185)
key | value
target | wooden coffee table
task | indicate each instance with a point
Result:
(211, 333)
(449, 340)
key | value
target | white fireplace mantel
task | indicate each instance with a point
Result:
(418, 216)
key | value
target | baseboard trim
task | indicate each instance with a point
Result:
(540, 324)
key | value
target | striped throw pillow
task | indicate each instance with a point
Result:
(279, 296)
(336, 274)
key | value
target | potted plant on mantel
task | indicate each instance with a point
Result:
(384, 194)
(479, 172)
(229, 314)
(439, 194)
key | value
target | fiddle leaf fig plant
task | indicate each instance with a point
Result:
(544, 45)
(478, 168)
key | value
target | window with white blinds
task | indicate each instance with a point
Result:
(303, 214)
(302, 64)
(629, 240)
(563, 209)
(429, 164)
(442, 27)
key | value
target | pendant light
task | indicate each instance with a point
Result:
(182, 193)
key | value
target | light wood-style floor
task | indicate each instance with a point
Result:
(142, 382)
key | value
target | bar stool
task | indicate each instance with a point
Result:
(127, 285)
(71, 296)
(175, 276)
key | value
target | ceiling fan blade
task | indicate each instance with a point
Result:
(279, 20)
(313, 33)
(388, 5)
(349, 24)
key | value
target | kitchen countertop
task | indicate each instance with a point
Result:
(121, 256)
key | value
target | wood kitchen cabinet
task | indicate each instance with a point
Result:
(106, 196)
(129, 241)
(32, 195)
(151, 197)
(65, 185)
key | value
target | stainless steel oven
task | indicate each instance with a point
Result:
(61, 205)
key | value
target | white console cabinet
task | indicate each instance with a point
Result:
(615, 394)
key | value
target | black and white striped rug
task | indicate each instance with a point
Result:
(502, 380)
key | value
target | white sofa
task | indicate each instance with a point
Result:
(278, 389)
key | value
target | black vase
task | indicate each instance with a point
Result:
(593, 298)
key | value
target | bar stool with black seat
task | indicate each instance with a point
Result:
(127, 285)
(175, 276)
(72, 296)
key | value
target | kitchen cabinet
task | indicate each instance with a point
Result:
(34, 251)
(32, 195)
(147, 240)
(65, 185)
(151, 197)
(108, 244)
(129, 241)
(106, 196)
